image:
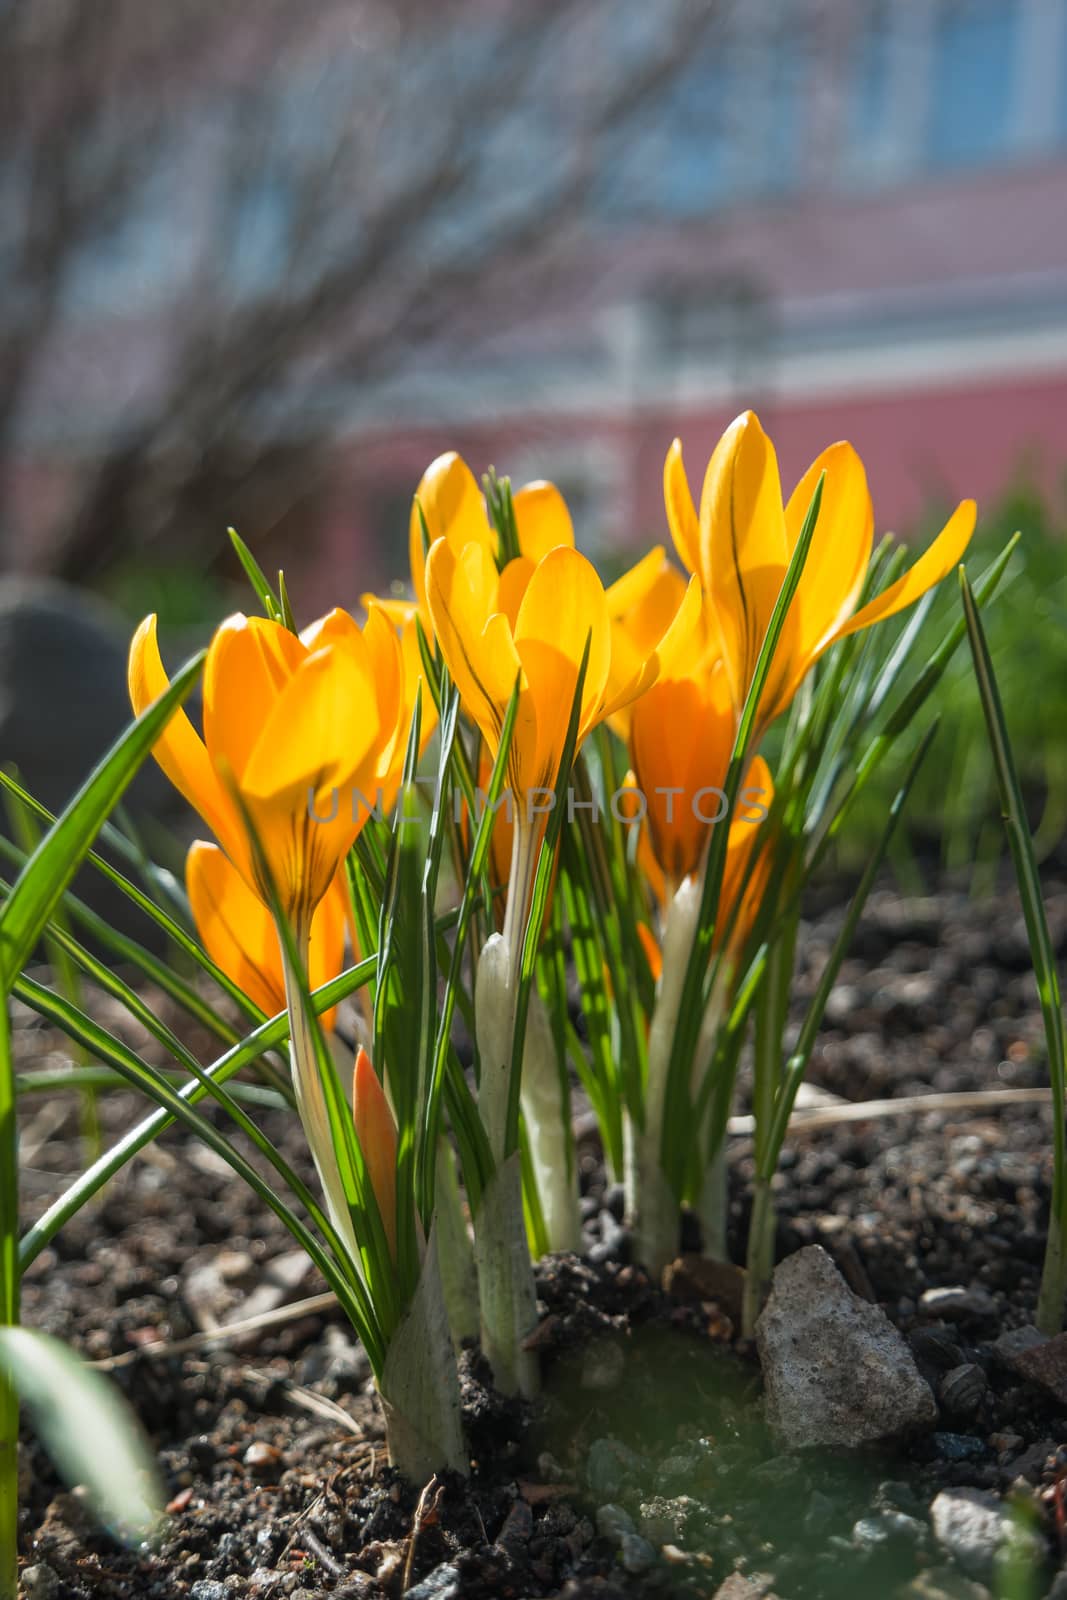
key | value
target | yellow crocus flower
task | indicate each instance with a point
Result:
(449, 499)
(406, 679)
(293, 727)
(527, 624)
(742, 540)
(239, 935)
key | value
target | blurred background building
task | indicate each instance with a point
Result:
(260, 264)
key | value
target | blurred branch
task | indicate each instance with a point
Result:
(425, 162)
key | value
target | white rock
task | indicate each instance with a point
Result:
(836, 1371)
(971, 1525)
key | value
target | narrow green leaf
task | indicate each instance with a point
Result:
(255, 575)
(88, 1430)
(1042, 949)
(795, 1068)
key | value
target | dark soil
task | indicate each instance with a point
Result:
(648, 1470)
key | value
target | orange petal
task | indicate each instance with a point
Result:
(376, 1132)
(235, 927)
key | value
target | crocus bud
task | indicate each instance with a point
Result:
(376, 1132)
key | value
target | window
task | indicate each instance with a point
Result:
(869, 117)
(975, 44)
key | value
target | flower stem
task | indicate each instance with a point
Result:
(1053, 1278)
(459, 1276)
(548, 1132)
(507, 1295)
(653, 1199)
(311, 1105)
(419, 1385)
(712, 1206)
(759, 1263)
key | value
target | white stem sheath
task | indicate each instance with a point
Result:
(311, 1104)
(419, 1386)
(505, 1277)
(655, 1203)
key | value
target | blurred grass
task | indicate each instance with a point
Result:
(953, 819)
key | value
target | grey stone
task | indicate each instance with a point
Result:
(1014, 1344)
(207, 1589)
(613, 1521)
(40, 1583)
(837, 1373)
(944, 1583)
(609, 1466)
(664, 1521)
(63, 702)
(740, 1587)
(872, 1533)
(603, 1364)
(959, 1446)
(443, 1583)
(956, 1304)
(635, 1553)
(972, 1526)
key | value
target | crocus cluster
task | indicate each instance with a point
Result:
(543, 678)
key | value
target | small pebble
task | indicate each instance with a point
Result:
(40, 1583)
(262, 1459)
(956, 1304)
(958, 1446)
(443, 1583)
(208, 1589)
(635, 1553)
(603, 1365)
(613, 1521)
(608, 1466)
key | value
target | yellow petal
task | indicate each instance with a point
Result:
(564, 605)
(376, 1132)
(629, 595)
(453, 508)
(462, 591)
(318, 729)
(249, 662)
(681, 513)
(399, 612)
(237, 931)
(840, 549)
(179, 750)
(542, 519)
(934, 564)
(743, 553)
(514, 581)
(316, 748)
